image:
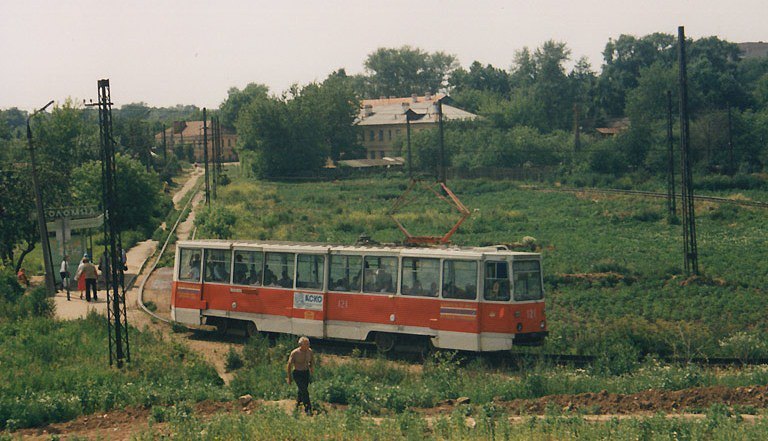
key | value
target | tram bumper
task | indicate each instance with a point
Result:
(530, 338)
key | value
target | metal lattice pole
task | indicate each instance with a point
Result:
(689, 215)
(205, 158)
(671, 203)
(117, 319)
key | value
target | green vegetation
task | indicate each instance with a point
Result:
(55, 370)
(486, 423)
(613, 264)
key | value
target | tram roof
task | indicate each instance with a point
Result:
(392, 249)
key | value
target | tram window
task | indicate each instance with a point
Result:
(527, 277)
(460, 279)
(278, 269)
(310, 269)
(189, 265)
(248, 268)
(496, 281)
(345, 272)
(380, 274)
(217, 265)
(420, 277)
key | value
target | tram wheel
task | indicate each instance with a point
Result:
(385, 342)
(222, 326)
(250, 329)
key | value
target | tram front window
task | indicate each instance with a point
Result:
(527, 276)
(496, 281)
(189, 265)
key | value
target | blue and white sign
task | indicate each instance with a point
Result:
(303, 300)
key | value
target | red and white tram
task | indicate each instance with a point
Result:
(474, 299)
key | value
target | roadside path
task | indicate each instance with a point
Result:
(136, 258)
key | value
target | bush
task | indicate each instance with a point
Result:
(234, 361)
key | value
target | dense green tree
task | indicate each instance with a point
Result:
(406, 70)
(622, 60)
(238, 99)
(481, 78)
(64, 139)
(17, 229)
(140, 198)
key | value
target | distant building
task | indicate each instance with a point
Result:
(753, 49)
(190, 133)
(382, 121)
(613, 127)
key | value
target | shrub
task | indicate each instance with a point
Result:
(233, 361)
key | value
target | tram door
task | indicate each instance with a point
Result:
(309, 300)
(459, 307)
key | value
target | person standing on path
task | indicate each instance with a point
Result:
(301, 365)
(64, 273)
(89, 272)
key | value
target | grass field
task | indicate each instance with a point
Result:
(613, 263)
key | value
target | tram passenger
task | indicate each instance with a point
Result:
(383, 281)
(285, 281)
(194, 268)
(341, 285)
(269, 277)
(241, 270)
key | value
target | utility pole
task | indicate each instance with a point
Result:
(117, 318)
(408, 140)
(442, 140)
(215, 151)
(576, 129)
(50, 283)
(731, 163)
(671, 203)
(689, 215)
(205, 159)
(165, 147)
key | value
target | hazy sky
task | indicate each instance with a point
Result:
(191, 52)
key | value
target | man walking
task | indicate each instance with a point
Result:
(300, 366)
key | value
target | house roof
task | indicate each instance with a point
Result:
(189, 129)
(394, 109)
(365, 163)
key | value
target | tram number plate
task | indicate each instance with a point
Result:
(303, 300)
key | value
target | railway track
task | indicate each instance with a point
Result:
(658, 195)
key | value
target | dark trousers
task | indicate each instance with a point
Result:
(90, 284)
(302, 382)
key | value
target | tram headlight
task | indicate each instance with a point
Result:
(519, 327)
(542, 324)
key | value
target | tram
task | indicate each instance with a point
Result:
(464, 298)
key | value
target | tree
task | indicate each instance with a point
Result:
(483, 78)
(622, 60)
(17, 229)
(140, 197)
(405, 70)
(238, 99)
(64, 139)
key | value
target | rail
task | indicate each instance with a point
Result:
(140, 297)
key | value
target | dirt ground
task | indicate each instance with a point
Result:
(601, 406)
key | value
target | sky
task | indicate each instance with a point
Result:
(168, 52)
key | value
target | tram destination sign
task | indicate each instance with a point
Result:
(74, 212)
